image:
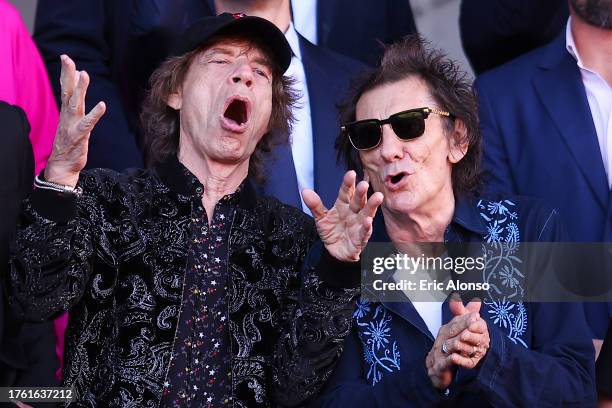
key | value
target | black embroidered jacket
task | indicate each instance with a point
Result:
(116, 259)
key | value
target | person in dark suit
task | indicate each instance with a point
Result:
(545, 122)
(27, 350)
(494, 32)
(356, 28)
(321, 77)
(94, 32)
(327, 76)
(121, 43)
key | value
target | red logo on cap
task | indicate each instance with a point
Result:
(238, 15)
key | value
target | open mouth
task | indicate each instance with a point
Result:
(393, 180)
(237, 112)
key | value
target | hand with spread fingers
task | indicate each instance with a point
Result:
(346, 227)
(69, 154)
(463, 341)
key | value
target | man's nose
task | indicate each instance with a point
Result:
(391, 147)
(243, 73)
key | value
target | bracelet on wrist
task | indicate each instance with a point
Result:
(39, 182)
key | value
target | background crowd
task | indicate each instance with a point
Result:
(544, 94)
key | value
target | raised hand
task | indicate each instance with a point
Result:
(69, 154)
(346, 227)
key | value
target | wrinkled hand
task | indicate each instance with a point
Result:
(72, 137)
(467, 341)
(471, 345)
(346, 227)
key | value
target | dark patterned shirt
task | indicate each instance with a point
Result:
(200, 369)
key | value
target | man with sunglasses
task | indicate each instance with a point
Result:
(411, 130)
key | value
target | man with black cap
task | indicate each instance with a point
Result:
(185, 287)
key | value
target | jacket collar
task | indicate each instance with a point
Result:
(181, 181)
(466, 218)
(555, 52)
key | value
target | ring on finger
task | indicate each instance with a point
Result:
(473, 353)
(445, 349)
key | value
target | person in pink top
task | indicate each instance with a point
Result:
(24, 82)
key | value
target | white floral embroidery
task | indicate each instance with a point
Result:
(362, 307)
(502, 269)
(380, 353)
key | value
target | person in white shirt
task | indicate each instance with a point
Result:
(546, 119)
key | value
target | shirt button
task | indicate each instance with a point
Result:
(446, 392)
(199, 190)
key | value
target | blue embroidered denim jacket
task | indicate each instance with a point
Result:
(540, 353)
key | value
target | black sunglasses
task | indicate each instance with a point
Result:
(409, 124)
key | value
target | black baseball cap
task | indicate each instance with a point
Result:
(258, 28)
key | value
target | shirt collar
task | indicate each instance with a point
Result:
(294, 42)
(570, 44)
(180, 180)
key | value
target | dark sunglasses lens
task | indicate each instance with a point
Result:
(408, 125)
(364, 135)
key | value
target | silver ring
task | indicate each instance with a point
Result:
(473, 353)
(445, 348)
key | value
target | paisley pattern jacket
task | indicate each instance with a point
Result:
(116, 258)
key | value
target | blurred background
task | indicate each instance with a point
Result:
(437, 20)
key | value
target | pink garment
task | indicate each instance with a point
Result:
(24, 82)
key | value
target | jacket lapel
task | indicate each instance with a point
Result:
(323, 93)
(406, 311)
(560, 87)
(325, 14)
(281, 179)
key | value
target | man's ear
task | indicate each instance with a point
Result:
(458, 142)
(175, 100)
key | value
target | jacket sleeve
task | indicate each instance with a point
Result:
(406, 388)
(51, 255)
(318, 313)
(558, 369)
(87, 31)
(497, 175)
